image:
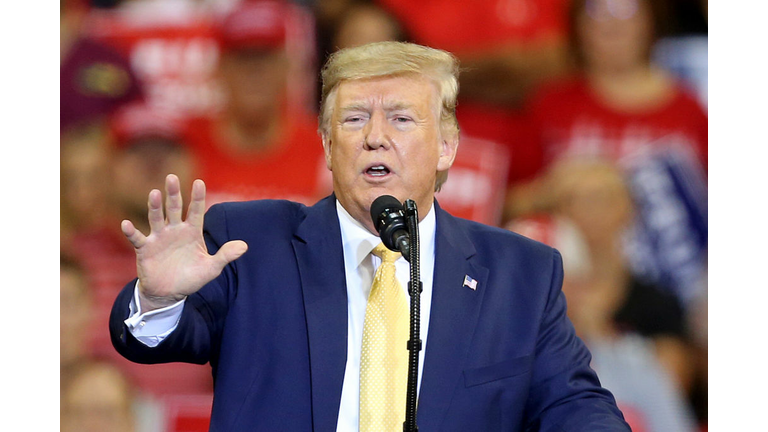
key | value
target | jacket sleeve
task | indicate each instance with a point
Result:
(565, 392)
(196, 337)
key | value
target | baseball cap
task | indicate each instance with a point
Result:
(258, 24)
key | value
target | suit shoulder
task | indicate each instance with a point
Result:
(266, 206)
(260, 213)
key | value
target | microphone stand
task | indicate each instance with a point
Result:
(414, 343)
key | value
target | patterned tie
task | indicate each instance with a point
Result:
(384, 357)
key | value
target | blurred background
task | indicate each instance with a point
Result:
(584, 126)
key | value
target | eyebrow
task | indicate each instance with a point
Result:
(397, 106)
(353, 107)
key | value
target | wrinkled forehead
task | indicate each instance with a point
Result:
(391, 92)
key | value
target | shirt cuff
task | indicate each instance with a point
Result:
(152, 327)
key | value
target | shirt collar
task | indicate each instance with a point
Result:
(360, 242)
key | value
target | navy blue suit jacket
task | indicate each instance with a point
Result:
(273, 326)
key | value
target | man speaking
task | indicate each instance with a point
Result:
(303, 315)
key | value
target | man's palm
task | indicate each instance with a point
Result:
(172, 261)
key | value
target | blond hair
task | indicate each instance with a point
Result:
(382, 59)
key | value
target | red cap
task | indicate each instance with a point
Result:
(254, 24)
(137, 121)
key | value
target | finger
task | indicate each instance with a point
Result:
(173, 199)
(197, 204)
(229, 252)
(155, 206)
(134, 236)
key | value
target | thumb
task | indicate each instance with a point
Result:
(230, 251)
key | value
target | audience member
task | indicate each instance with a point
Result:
(506, 48)
(347, 23)
(619, 103)
(85, 166)
(172, 48)
(150, 142)
(94, 394)
(97, 397)
(635, 330)
(622, 107)
(138, 143)
(593, 195)
(365, 22)
(95, 79)
(328, 12)
(76, 307)
(260, 146)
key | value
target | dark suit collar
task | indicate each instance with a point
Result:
(454, 313)
(322, 214)
(318, 249)
(453, 316)
(453, 233)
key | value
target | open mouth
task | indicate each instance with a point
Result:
(377, 171)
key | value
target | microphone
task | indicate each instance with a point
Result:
(389, 220)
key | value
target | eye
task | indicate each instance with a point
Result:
(354, 121)
(402, 119)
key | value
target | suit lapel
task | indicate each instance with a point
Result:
(321, 268)
(454, 314)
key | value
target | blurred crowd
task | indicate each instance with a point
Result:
(583, 126)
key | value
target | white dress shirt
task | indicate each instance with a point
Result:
(360, 266)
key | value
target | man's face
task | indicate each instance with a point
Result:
(615, 34)
(97, 400)
(254, 81)
(143, 166)
(85, 175)
(385, 139)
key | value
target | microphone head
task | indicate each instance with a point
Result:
(382, 209)
(388, 218)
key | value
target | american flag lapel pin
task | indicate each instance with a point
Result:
(470, 283)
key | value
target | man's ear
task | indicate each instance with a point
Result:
(449, 146)
(327, 150)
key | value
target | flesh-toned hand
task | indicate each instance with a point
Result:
(173, 262)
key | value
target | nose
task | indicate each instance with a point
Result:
(376, 135)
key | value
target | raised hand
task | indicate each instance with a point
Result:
(173, 262)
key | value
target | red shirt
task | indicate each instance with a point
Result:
(473, 27)
(569, 119)
(293, 169)
(461, 26)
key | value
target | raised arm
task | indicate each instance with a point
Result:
(173, 262)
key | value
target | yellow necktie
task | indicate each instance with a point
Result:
(384, 357)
